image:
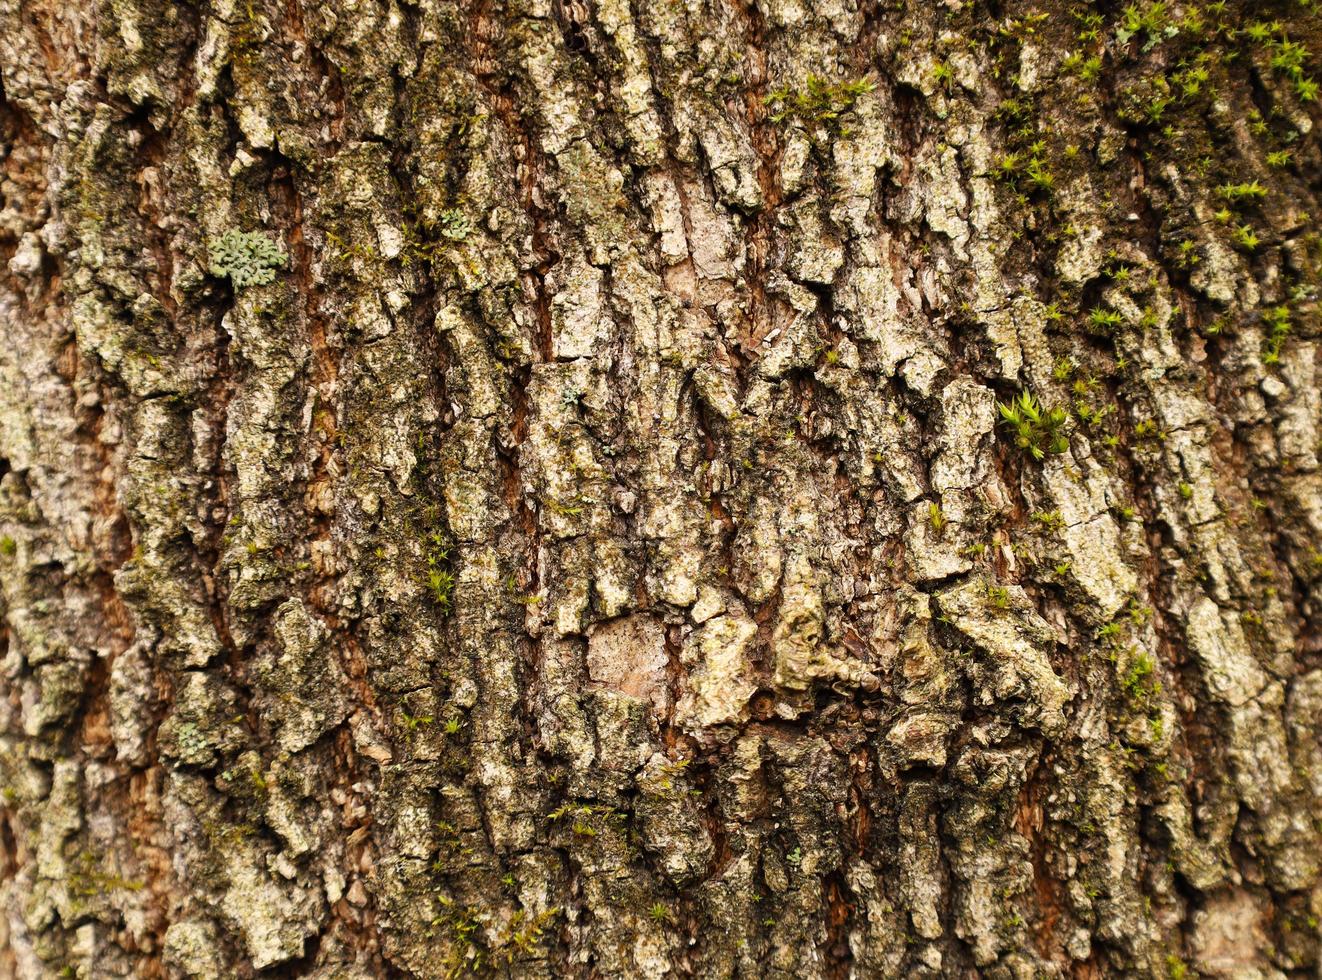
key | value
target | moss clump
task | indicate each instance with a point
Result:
(440, 576)
(1035, 428)
(249, 258)
(1277, 319)
(1139, 683)
(818, 101)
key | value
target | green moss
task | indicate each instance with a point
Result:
(412, 722)
(87, 879)
(1139, 682)
(818, 101)
(1050, 519)
(440, 578)
(1103, 319)
(936, 517)
(1151, 20)
(1030, 175)
(1277, 319)
(1037, 429)
(1245, 238)
(1251, 191)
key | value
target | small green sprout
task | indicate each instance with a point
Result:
(1104, 319)
(1006, 166)
(936, 517)
(1259, 31)
(1245, 238)
(1251, 191)
(1035, 428)
(1119, 273)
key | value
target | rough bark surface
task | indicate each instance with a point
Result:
(550, 488)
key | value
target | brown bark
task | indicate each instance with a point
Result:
(615, 488)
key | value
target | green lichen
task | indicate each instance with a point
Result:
(454, 224)
(249, 258)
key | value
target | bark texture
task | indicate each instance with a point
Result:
(638, 488)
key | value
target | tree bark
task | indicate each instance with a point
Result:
(638, 488)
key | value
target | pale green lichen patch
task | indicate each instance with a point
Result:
(248, 258)
(203, 723)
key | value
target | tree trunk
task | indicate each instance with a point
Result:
(637, 488)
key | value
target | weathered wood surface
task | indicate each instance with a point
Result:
(519, 488)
